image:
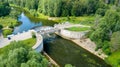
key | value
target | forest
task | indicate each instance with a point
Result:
(59, 8)
(105, 30)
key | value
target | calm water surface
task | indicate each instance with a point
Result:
(26, 24)
(66, 52)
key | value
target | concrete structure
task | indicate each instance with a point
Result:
(45, 30)
(23, 36)
(28, 34)
(39, 44)
(72, 34)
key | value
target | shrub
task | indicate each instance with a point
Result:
(1, 27)
(33, 35)
(7, 32)
(68, 65)
(101, 11)
(114, 59)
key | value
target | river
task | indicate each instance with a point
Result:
(61, 50)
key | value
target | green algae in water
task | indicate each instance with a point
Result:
(66, 52)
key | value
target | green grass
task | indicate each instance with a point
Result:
(40, 15)
(7, 32)
(114, 59)
(78, 29)
(86, 20)
(28, 43)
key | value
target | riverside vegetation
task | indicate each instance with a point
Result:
(102, 15)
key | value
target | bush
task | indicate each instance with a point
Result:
(68, 65)
(115, 41)
(1, 27)
(7, 32)
(101, 11)
(114, 59)
(4, 9)
(33, 35)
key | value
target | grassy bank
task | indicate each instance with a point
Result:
(29, 43)
(47, 20)
(39, 18)
(36, 16)
(113, 59)
(8, 21)
(86, 20)
(78, 29)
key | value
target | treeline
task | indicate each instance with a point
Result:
(68, 7)
(65, 7)
(105, 31)
(4, 9)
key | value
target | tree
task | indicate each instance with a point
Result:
(115, 41)
(19, 55)
(1, 27)
(101, 11)
(4, 9)
(107, 25)
(57, 8)
(68, 65)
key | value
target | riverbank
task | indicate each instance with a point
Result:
(88, 45)
(50, 59)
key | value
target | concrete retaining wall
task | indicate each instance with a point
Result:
(39, 44)
(72, 34)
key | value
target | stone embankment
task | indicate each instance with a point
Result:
(90, 46)
(51, 60)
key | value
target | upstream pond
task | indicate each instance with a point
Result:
(61, 50)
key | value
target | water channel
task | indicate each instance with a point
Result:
(61, 50)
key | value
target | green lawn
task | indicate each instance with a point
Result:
(28, 43)
(114, 59)
(78, 29)
(86, 20)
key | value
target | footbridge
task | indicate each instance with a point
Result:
(45, 30)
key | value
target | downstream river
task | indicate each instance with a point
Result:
(61, 50)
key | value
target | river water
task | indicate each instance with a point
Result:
(61, 50)
(26, 24)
